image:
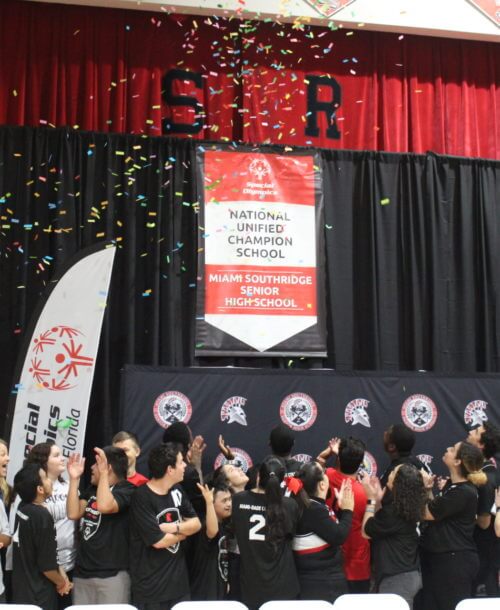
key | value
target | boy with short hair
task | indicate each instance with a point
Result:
(101, 571)
(209, 569)
(130, 444)
(36, 577)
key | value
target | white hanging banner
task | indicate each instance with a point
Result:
(57, 365)
(263, 282)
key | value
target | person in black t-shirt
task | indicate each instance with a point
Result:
(208, 573)
(487, 438)
(36, 578)
(398, 444)
(161, 518)
(281, 441)
(102, 561)
(192, 453)
(264, 523)
(316, 545)
(449, 558)
(393, 531)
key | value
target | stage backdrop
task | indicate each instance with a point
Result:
(243, 405)
(238, 80)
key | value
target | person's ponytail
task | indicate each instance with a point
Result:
(472, 459)
(477, 478)
(271, 474)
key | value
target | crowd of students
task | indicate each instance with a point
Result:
(283, 530)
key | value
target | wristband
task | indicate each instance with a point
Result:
(371, 502)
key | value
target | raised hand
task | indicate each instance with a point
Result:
(75, 466)
(196, 450)
(207, 493)
(345, 496)
(101, 460)
(428, 479)
(372, 487)
(225, 449)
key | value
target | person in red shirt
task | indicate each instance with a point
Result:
(130, 444)
(356, 549)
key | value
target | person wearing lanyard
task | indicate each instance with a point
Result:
(449, 555)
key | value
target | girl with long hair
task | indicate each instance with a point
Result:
(264, 523)
(5, 497)
(320, 533)
(5, 490)
(49, 457)
(392, 528)
(449, 559)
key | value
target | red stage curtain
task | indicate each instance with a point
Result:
(104, 70)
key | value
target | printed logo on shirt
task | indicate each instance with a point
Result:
(419, 413)
(232, 410)
(91, 519)
(355, 412)
(171, 407)
(170, 515)
(241, 459)
(368, 465)
(426, 460)
(223, 559)
(303, 458)
(298, 411)
(474, 414)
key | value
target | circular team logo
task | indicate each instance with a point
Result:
(57, 358)
(241, 459)
(232, 410)
(419, 413)
(171, 407)
(303, 458)
(298, 411)
(426, 460)
(369, 465)
(474, 414)
(355, 412)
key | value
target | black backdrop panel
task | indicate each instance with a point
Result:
(324, 404)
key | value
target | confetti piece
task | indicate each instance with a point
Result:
(385, 201)
(64, 424)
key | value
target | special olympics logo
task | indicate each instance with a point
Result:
(171, 407)
(57, 357)
(241, 459)
(368, 465)
(232, 410)
(259, 168)
(419, 413)
(474, 414)
(355, 412)
(298, 411)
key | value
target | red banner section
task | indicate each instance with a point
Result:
(236, 176)
(232, 80)
(264, 290)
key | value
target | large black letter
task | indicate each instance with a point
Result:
(169, 126)
(329, 108)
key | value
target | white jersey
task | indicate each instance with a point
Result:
(65, 528)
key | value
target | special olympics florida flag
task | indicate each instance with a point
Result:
(56, 366)
(260, 255)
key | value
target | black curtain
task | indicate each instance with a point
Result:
(412, 245)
